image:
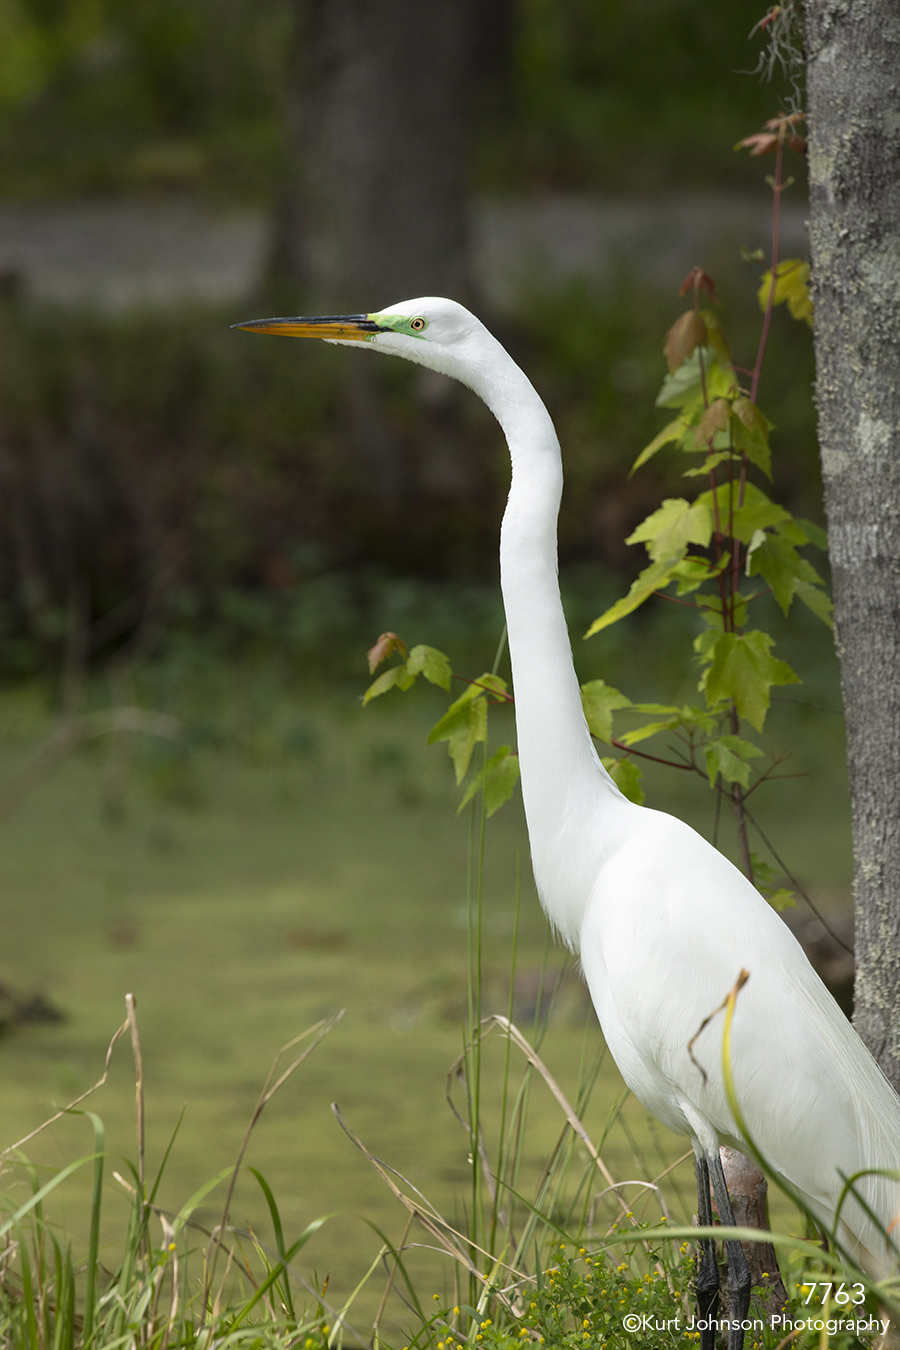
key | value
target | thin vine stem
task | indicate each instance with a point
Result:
(777, 189)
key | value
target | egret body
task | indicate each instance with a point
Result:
(662, 922)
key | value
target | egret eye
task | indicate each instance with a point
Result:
(418, 324)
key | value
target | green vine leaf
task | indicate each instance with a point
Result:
(686, 334)
(498, 778)
(431, 663)
(687, 718)
(791, 286)
(715, 418)
(673, 432)
(653, 578)
(816, 600)
(693, 571)
(756, 513)
(782, 899)
(710, 606)
(427, 661)
(728, 756)
(750, 429)
(765, 877)
(670, 529)
(717, 339)
(396, 677)
(627, 777)
(684, 387)
(815, 535)
(463, 725)
(599, 701)
(711, 462)
(744, 670)
(776, 559)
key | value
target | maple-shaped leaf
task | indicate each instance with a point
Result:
(387, 643)
(599, 701)
(714, 419)
(693, 571)
(711, 607)
(431, 663)
(687, 333)
(728, 756)
(673, 432)
(684, 387)
(775, 558)
(490, 684)
(814, 533)
(743, 670)
(717, 339)
(675, 719)
(653, 578)
(791, 287)
(498, 779)
(815, 600)
(751, 433)
(758, 511)
(627, 777)
(463, 725)
(760, 143)
(397, 677)
(702, 281)
(638, 734)
(672, 527)
(711, 462)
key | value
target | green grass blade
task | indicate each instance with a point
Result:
(31, 1328)
(279, 1233)
(45, 1190)
(165, 1158)
(90, 1290)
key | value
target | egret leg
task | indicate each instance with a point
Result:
(706, 1281)
(739, 1282)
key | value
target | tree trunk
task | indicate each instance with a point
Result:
(853, 70)
(375, 209)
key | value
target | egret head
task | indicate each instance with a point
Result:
(431, 331)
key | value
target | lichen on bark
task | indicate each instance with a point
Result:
(853, 73)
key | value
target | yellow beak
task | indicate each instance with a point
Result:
(345, 327)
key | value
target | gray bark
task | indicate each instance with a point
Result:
(853, 71)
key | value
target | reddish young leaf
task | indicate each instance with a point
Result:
(686, 334)
(703, 282)
(760, 143)
(387, 643)
(714, 419)
(798, 143)
(784, 121)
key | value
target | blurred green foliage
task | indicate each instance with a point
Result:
(110, 95)
(99, 95)
(626, 96)
(140, 446)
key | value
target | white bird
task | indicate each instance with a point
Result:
(662, 922)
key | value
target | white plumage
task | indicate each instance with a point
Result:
(663, 923)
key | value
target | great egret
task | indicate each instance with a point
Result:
(663, 923)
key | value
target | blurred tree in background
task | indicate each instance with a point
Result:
(155, 453)
(112, 95)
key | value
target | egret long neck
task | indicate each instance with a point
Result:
(571, 804)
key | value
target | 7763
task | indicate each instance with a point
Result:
(841, 1295)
